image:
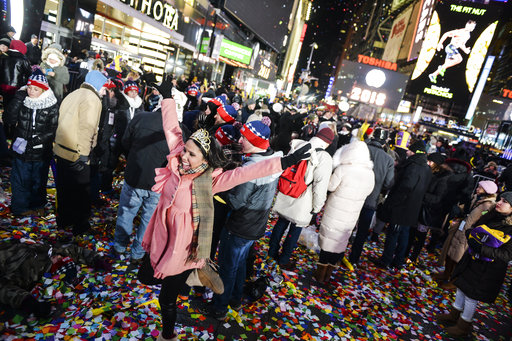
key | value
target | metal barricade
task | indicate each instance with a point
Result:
(477, 178)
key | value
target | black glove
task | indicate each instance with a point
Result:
(79, 164)
(32, 306)
(313, 219)
(475, 245)
(295, 157)
(102, 263)
(165, 88)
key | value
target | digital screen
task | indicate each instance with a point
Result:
(454, 50)
(369, 84)
(268, 19)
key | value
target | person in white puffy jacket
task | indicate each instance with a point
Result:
(297, 212)
(351, 182)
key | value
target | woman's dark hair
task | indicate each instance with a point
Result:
(216, 157)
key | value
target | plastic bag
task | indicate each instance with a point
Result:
(309, 238)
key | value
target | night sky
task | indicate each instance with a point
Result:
(328, 27)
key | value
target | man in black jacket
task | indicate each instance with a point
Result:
(403, 204)
(33, 51)
(384, 171)
(145, 140)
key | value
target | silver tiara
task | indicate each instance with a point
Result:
(202, 137)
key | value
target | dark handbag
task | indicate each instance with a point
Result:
(383, 213)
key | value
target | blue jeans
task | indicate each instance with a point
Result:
(395, 247)
(131, 200)
(289, 243)
(28, 183)
(363, 226)
(233, 252)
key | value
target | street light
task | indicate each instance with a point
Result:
(314, 46)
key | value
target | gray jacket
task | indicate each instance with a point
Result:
(384, 170)
(251, 201)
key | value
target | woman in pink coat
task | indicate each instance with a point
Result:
(178, 236)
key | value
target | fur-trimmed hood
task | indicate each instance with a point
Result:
(46, 100)
(98, 65)
(49, 50)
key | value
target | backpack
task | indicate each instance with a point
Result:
(292, 182)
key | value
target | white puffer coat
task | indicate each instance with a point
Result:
(350, 184)
(298, 210)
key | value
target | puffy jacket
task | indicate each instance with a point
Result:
(35, 120)
(23, 265)
(479, 279)
(251, 201)
(383, 170)
(14, 69)
(61, 77)
(432, 212)
(79, 117)
(350, 184)
(403, 204)
(299, 210)
(456, 243)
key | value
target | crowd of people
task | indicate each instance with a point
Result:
(205, 167)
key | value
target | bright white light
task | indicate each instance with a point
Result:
(277, 107)
(344, 106)
(17, 14)
(375, 78)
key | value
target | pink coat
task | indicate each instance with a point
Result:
(170, 230)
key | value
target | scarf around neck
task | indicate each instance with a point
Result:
(202, 212)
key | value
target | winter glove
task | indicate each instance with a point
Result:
(165, 88)
(313, 219)
(295, 157)
(32, 306)
(80, 164)
(102, 263)
(475, 245)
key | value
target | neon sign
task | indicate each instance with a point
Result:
(377, 62)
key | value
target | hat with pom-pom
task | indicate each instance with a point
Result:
(257, 133)
(227, 134)
(37, 78)
(129, 86)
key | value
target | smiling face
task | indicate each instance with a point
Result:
(191, 156)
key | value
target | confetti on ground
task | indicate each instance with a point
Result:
(367, 304)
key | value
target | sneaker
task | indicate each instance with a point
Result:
(209, 311)
(211, 279)
(236, 306)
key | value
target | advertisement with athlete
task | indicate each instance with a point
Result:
(454, 50)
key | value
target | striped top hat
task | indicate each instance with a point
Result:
(257, 133)
(37, 78)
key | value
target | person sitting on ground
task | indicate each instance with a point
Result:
(22, 265)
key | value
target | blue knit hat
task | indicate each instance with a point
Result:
(37, 78)
(130, 85)
(227, 112)
(227, 134)
(96, 79)
(257, 133)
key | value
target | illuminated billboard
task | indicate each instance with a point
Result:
(370, 84)
(454, 50)
(396, 36)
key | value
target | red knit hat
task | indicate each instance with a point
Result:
(38, 79)
(326, 135)
(227, 113)
(257, 133)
